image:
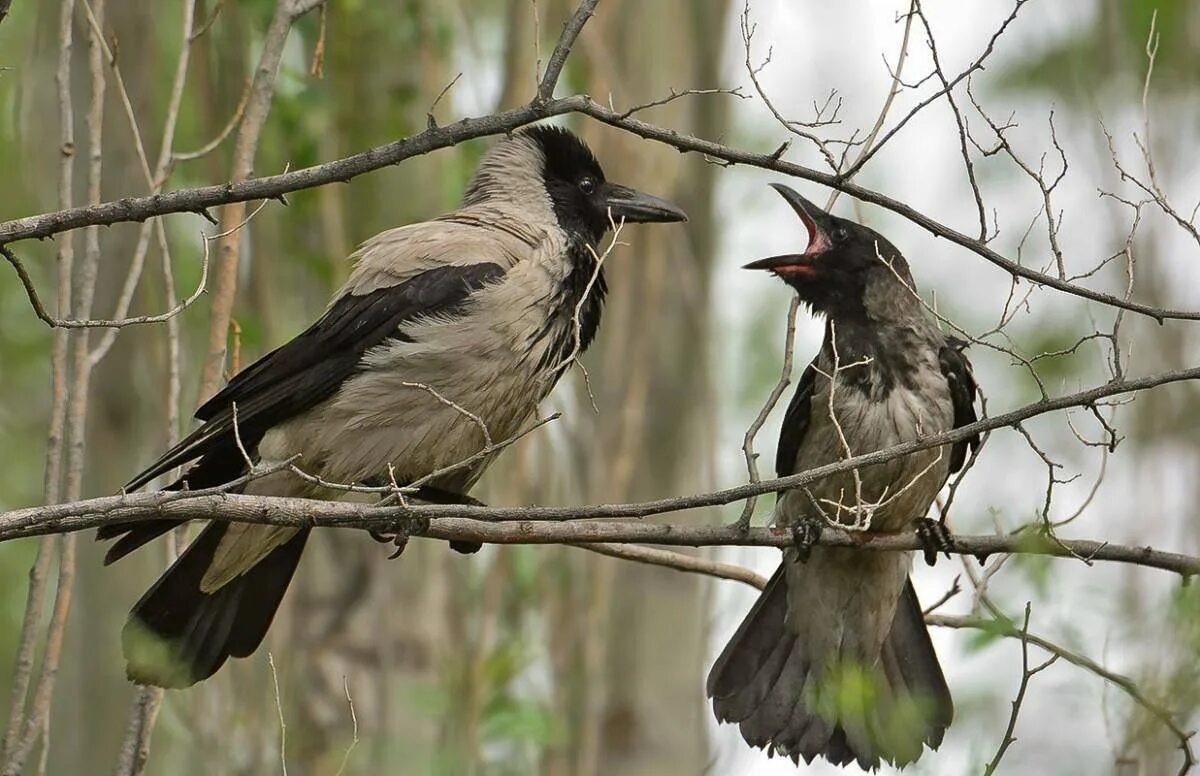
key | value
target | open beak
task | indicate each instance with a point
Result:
(636, 207)
(815, 220)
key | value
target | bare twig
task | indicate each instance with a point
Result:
(1027, 673)
(1006, 628)
(893, 90)
(430, 120)
(946, 88)
(354, 728)
(279, 709)
(675, 95)
(785, 379)
(558, 57)
(654, 556)
(210, 146)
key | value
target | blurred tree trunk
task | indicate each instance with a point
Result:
(654, 392)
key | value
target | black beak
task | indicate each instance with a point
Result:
(637, 208)
(815, 220)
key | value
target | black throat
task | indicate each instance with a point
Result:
(582, 291)
(870, 358)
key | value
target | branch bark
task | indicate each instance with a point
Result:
(273, 187)
(536, 525)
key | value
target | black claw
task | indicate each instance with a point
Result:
(805, 534)
(400, 533)
(934, 537)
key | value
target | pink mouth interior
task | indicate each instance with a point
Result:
(817, 244)
(817, 241)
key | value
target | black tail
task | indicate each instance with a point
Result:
(178, 635)
(130, 536)
(770, 678)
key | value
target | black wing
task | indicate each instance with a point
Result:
(959, 377)
(795, 423)
(310, 368)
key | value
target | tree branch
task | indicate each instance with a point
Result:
(534, 525)
(198, 200)
(558, 58)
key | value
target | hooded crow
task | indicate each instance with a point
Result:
(469, 318)
(834, 658)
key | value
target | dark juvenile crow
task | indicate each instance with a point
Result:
(834, 658)
(481, 308)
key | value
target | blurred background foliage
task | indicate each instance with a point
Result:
(546, 659)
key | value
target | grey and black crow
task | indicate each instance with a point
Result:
(834, 659)
(481, 308)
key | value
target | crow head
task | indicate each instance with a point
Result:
(547, 172)
(846, 270)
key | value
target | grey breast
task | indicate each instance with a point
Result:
(872, 404)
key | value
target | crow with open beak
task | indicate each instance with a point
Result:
(469, 317)
(834, 659)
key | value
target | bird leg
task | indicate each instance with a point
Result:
(429, 495)
(935, 537)
(805, 535)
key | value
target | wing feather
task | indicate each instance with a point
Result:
(961, 381)
(311, 367)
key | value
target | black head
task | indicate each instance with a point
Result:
(583, 199)
(846, 267)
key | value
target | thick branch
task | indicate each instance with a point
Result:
(532, 525)
(36, 521)
(272, 187)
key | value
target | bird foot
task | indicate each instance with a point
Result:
(935, 537)
(440, 496)
(805, 535)
(400, 532)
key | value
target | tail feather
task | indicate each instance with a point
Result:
(755, 639)
(775, 711)
(741, 705)
(178, 635)
(130, 536)
(771, 680)
(910, 662)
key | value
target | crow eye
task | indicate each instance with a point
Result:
(840, 234)
(587, 185)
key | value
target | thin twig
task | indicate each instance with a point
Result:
(1006, 628)
(354, 728)
(558, 58)
(1027, 673)
(279, 709)
(785, 379)
(654, 556)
